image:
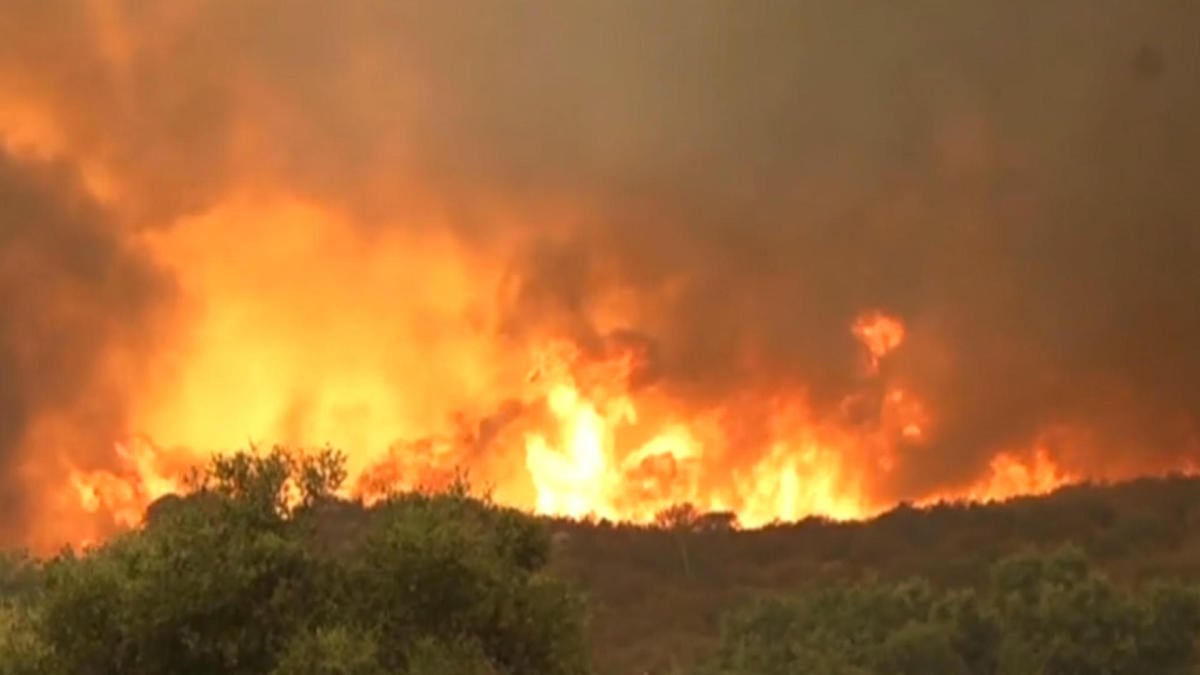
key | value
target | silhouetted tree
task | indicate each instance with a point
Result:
(680, 520)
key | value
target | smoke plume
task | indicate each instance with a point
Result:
(78, 304)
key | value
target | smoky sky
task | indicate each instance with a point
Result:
(73, 294)
(1017, 181)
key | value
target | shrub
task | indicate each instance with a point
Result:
(1041, 613)
(232, 578)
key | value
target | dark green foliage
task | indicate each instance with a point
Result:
(330, 651)
(449, 567)
(261, 570)
(1050, 614)
(236, 578)
(650, 611)
(20, 577)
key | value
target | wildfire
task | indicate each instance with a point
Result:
(880, 334)
(580, 468)
(577, 433)
(809, 467)
(592, 447)
(383, 325)
(125, 495)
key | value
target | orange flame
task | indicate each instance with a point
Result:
(125, 494)
(365, 341)
(880, 334)
(579, 459)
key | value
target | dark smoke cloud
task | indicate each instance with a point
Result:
(1015, 180)
(70, 291)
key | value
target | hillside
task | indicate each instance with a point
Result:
(657, 596)
(263, 570)
(651, 609)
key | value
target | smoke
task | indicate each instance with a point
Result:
(77, 306)
(1014, 180)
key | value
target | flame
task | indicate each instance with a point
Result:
(124, 494)
(880, 334)
(383, 342)
(1009, 475)
(589, 445)
(581, 469)
(807, 467)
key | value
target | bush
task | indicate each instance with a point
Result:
(233, 579)
(1039, 614)
(330, 651)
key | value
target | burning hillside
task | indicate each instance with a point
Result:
(781, 259)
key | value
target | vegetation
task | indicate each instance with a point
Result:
(259, 570)
(648, 613)
(240, 578)
(1037, 614)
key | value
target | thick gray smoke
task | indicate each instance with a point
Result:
(1016, 180)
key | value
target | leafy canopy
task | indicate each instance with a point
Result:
(260, 570)
(1050, 614)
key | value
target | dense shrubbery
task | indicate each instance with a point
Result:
(251, 574)
(260, 571)
(659, 592)
(1049, 614)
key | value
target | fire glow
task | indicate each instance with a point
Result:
(576, 464)
(733, 268)
(385, 347)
